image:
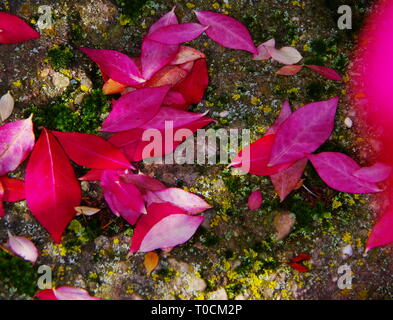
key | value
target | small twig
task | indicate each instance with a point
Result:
(309, 191)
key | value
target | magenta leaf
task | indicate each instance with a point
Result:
(65, 293)
(284, 115)
(164, 226)
(116, 65)
(174, 97)
(381, 233)
(287, 180)
(155, 56)
(337, 169)
(176, 34)
(180, 198)
(227, 31)
(52, 190)
(135, 109)
(376, 173)
(143, 182)
(92, 175)
(123, 198)
(16, 142)
(304, 131)
(91, 151)
(13, 29)
(22, 247)
(255, 200)
(326, 72)
(166, 20)
(254, 158)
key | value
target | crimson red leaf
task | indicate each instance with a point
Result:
(290, 70)
(116, 65)
(91, 151)
(135, 109)
(381, 233)
(287, 180)
(304, 131)
(376, 173)
(52, 190)
(227, 31)
(164, 226)
(16, 142)
(156, 55)
(176, 34)
(194, 86)
(299, 267)
(255, 200)
(301, 257)
(166, 20)
(337, 169)
(284, 115)
(14, 30)
(326, 72)
(255, 157)
(123, 198)
(14, 189)
(92, 175)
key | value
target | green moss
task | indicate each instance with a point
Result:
(86, 118)
(60, 57)
(18, 274)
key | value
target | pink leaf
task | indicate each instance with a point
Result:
(91, 151)
(284, 115)
(174, 97)
(285, 55)
(1, 200)
(289, 70)
(16, 142)
(337, 169)
(255, 157)
(255, 200)
(123, 198)
(304, 131)
(187, 54)
(92, 175)
(52, 190)
(116, 65)
(381, 233)
(166, 20)
(287, 180)
(135, 109)
(326, 72)
(227, 31)
(14, 30)
(22, 247)
(263, 54)
(143, 182)
(14, 189)
(180, 198)
(376, 173)
(176, 34)
(164, 226)
(156, 55)
(65, 293)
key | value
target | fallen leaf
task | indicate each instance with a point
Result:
(176, 34)
(92, 175)
(255, 200)
(326, 72)
(187, 54)
(263, 54)
(381, 234)
(284, 115)
(166, 20)
(6, 106)
(285, 55)
(22, 247)
(65, 293)
(14, 189)
(14, 30)
(167, 76)
(376, 173)
(86, 211)
(151, 261)
(290, 70)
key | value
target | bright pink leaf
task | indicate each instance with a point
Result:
(123, 198)
(180, 198)
(289, 70)
(381, 233)
(14, 30)
(176, 34)
(14, 189)
(255, 157)
(376, 173)
(166, 20)
(52, 190)
(255, 200)
(164, 226)
(156, 55)
(143, 182)
(116, 65)
(2, 213)
(135, 109)
(187, 54)
(65, 293)
(227, 31)
(263, 54)
(22, 247)
(285, 55)
(304, 131)
(284, 115)
(91, 151)
(337, 169)
(194, 86)
(16, 142)
(92, 175)
(287, 180)
(174, 98)
(326, 72)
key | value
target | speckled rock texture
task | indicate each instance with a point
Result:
(235, 254)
